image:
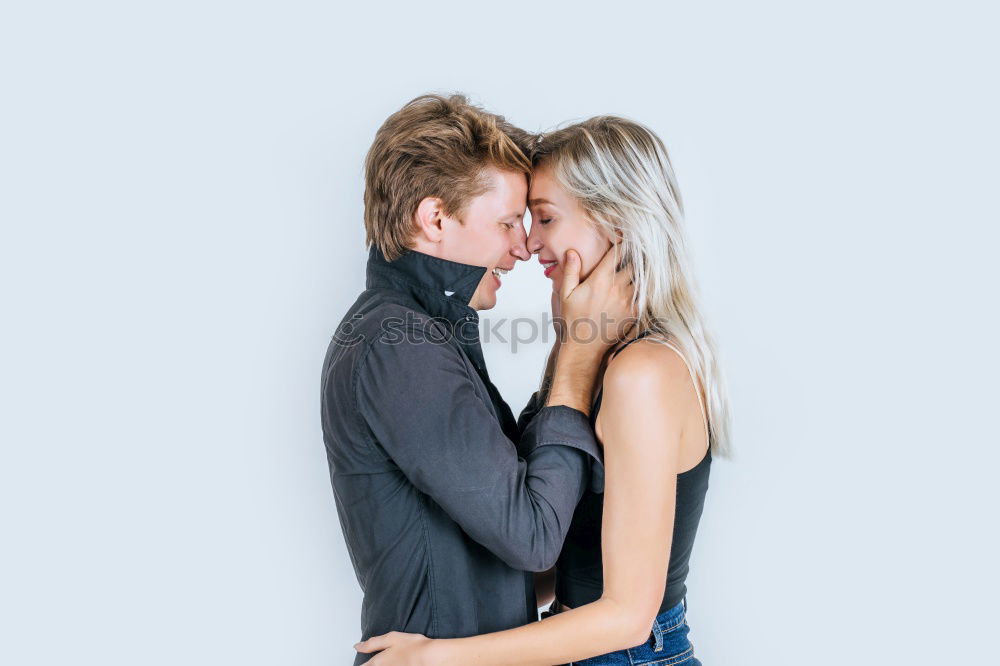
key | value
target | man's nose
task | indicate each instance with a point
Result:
(520, 247)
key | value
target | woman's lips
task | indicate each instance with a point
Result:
(550, 267)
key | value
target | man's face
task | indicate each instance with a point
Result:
(492, 234)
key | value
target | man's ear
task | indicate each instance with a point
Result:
(429, 218)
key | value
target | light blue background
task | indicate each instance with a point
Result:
(181, 207)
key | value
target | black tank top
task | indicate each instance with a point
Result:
(579, 571)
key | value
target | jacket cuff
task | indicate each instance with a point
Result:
(560, 425)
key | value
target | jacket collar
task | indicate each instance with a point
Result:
(442, 288)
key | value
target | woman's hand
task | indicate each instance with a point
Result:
(401, 649)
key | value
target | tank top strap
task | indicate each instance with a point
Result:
(697, 386)
(640, 336)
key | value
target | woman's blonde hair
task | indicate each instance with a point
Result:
(620, 173)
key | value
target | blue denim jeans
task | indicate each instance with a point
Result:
(667, 645)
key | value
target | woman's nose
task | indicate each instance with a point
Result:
(534, 242)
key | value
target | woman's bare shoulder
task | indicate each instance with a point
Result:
(648, 364)
(646, 386)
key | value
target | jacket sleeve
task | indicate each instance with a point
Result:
(529, 412)
(421, 405)
(532, 433)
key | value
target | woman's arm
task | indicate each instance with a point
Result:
(644, 401)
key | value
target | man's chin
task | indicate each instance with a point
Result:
(483, 299)
(485, 296)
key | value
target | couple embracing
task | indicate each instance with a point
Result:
(462, 520)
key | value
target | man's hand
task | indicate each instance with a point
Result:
(557, 317)
(599, 311)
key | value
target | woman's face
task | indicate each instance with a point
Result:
(558, 224)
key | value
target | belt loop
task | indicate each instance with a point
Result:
(657, 636)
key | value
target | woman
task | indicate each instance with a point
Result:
(660, 412)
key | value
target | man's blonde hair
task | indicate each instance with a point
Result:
(434, 146)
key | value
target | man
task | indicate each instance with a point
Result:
(446, 506)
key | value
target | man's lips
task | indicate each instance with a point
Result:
(498, 271)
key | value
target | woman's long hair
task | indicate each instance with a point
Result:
(621, 174)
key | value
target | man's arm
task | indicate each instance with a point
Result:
(421, 405)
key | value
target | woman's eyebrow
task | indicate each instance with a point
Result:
(535, 202)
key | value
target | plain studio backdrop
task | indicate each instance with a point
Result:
(182, 231)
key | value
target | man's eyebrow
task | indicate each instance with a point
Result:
(535, 202)
(516, 216)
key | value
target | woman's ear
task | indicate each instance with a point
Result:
(613, 240)
(612, 237)
(429, 216)
(624, 260)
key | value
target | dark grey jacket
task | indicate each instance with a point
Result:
(444, 503)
